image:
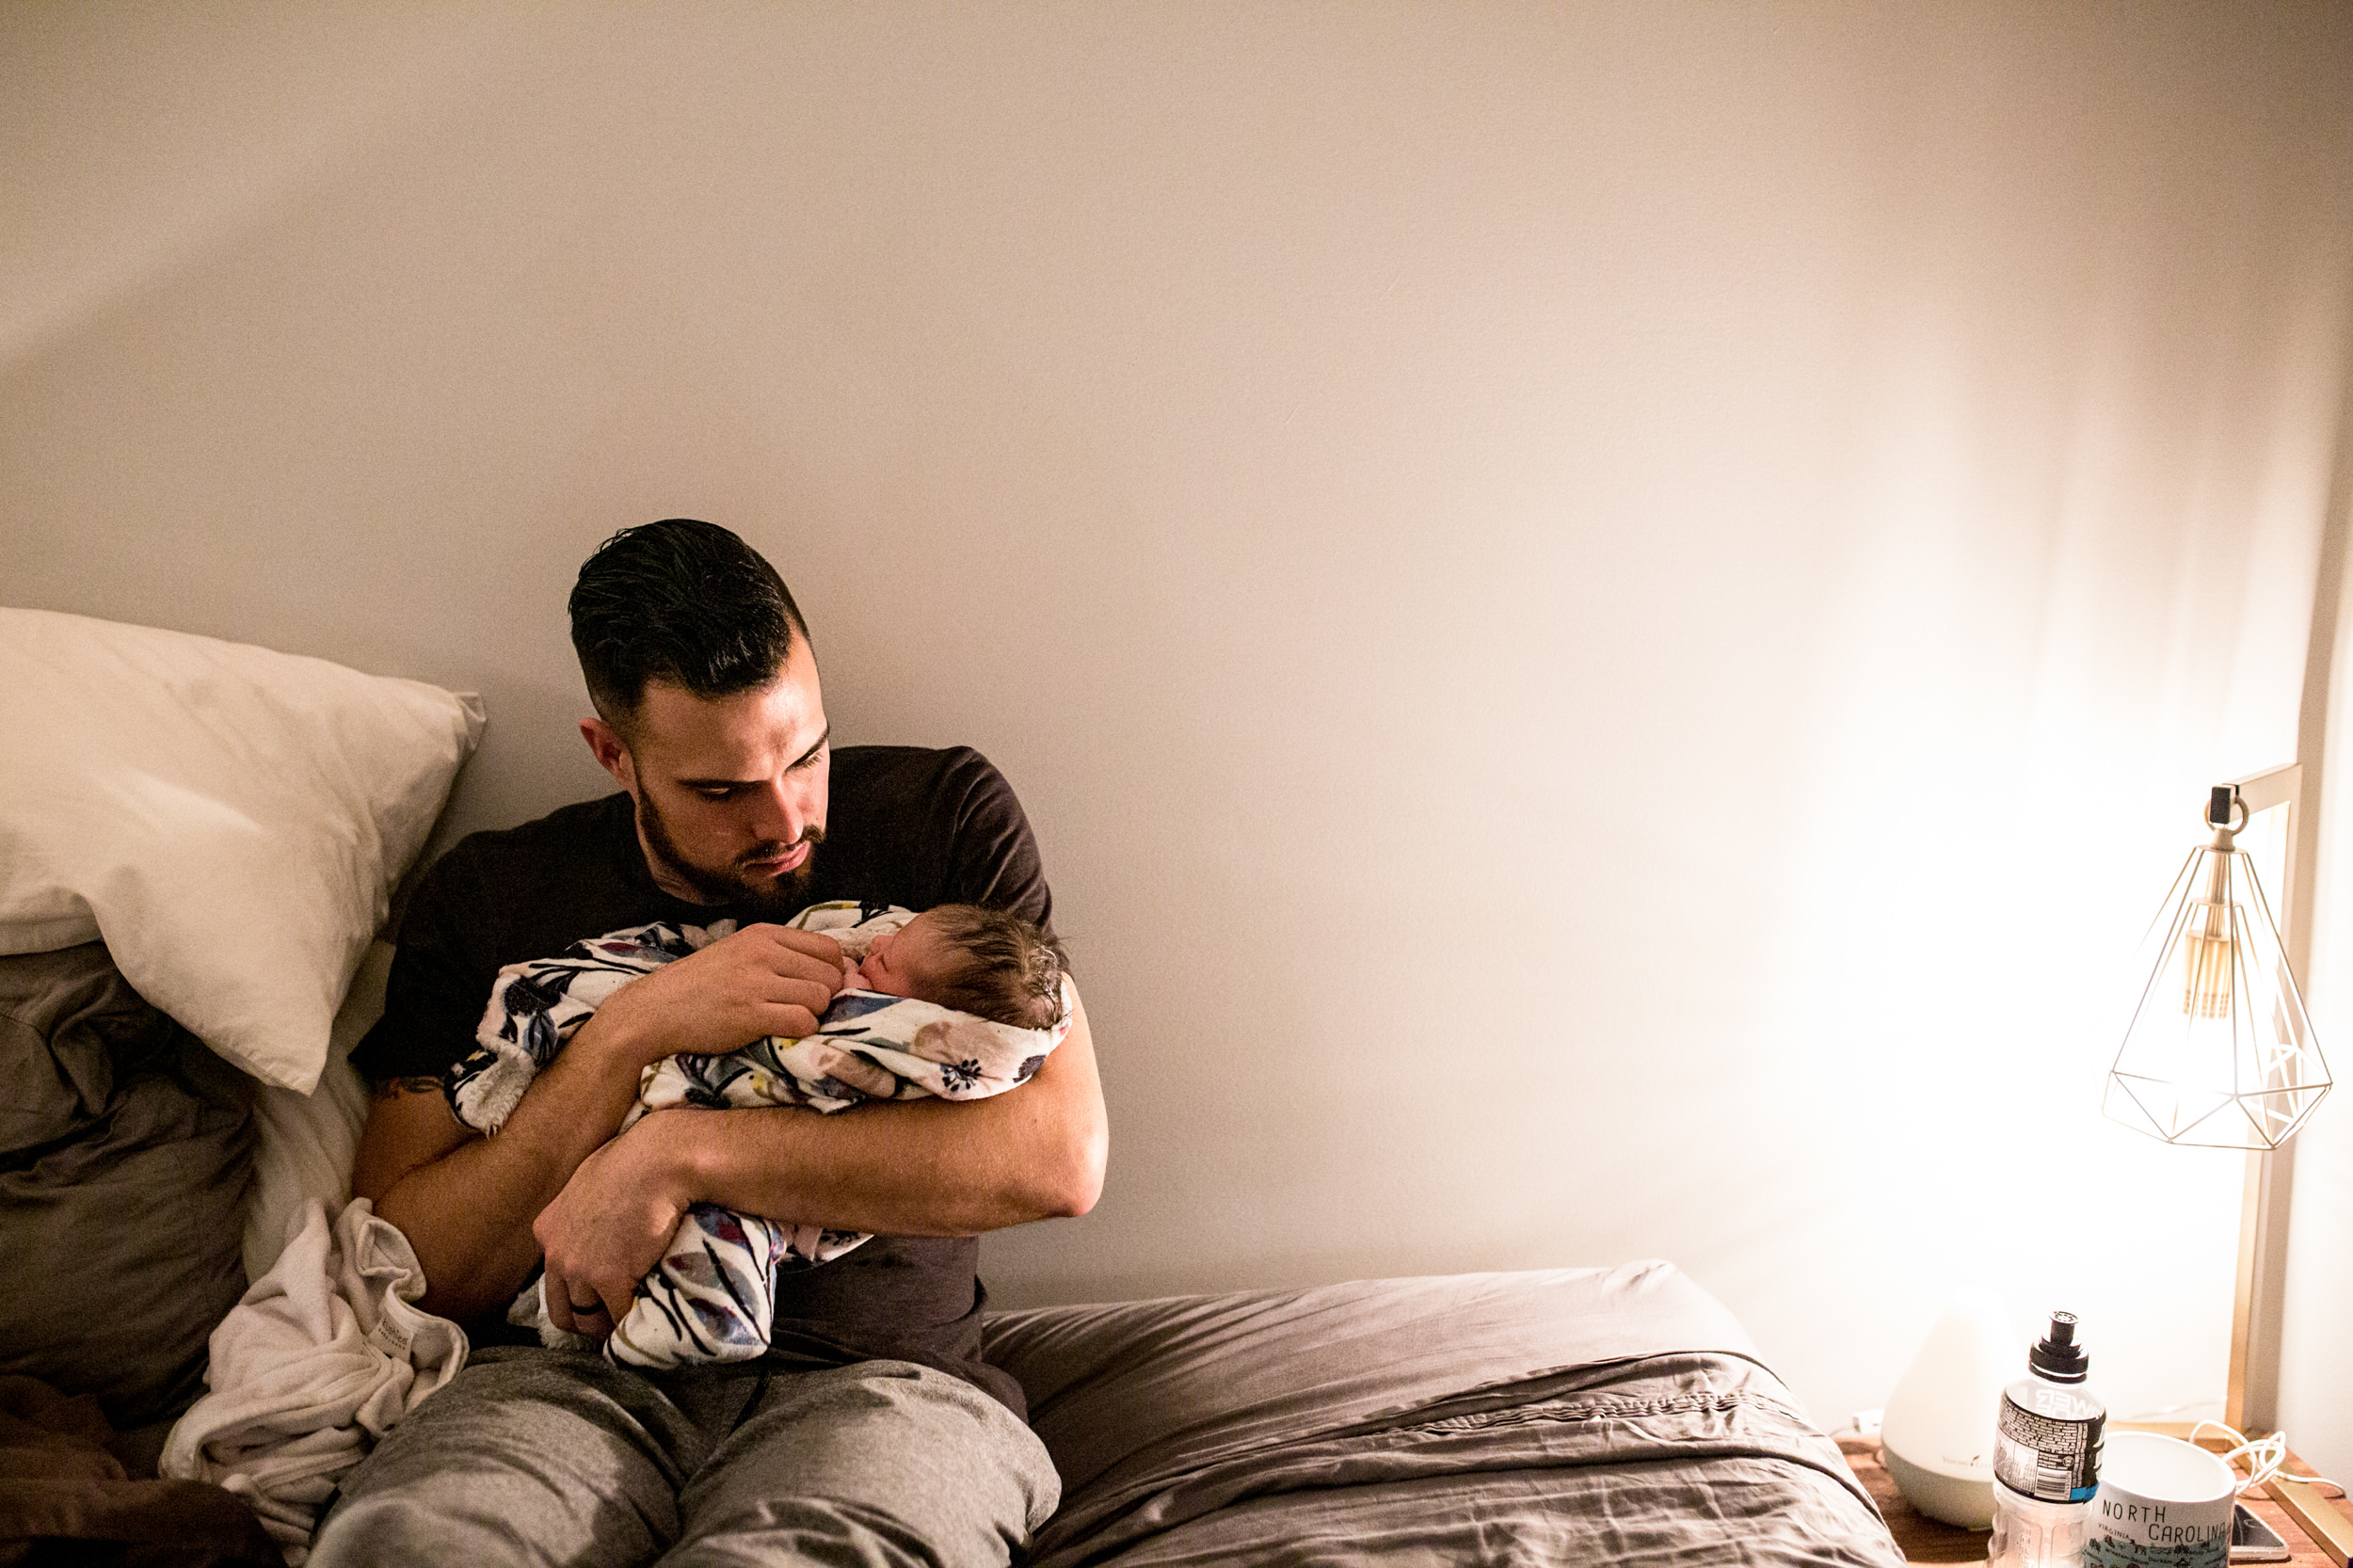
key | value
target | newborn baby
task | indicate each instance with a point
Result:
(958, 1002)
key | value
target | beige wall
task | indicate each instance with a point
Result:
(1611, 617)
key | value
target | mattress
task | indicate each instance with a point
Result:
(1614, 1416)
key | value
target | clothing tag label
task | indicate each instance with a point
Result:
(392, 1337)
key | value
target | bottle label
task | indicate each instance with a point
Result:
(2046, 1443)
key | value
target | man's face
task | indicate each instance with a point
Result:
(730, 791)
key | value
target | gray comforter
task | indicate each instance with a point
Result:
(1564, 1416)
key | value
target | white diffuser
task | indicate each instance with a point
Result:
(1937, 1432)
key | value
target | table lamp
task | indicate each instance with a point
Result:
(2220, 1053)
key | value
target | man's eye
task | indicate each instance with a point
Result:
(719, 791)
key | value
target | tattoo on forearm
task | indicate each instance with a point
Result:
(391, 1086)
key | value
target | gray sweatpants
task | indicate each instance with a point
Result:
(546, 1456)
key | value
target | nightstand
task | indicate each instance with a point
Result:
(1921, 1537)
(1922, 1540)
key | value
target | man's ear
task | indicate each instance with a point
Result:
(611, 752)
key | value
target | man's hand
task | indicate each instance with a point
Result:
(606, 1229)
(464, 1201)
(900, 1167)
(605, 1210)
(924, 1167)
(763, 980)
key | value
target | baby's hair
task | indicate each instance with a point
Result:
(1007, 969)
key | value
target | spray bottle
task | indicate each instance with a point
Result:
(2046, 1457)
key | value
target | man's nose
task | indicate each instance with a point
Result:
(783, 813)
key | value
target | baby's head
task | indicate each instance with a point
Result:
(985, 962)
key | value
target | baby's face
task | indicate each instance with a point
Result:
(912, 961)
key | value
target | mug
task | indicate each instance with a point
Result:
(2162, 1503)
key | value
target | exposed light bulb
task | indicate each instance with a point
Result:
(2210, 947)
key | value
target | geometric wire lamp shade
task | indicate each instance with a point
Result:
(2220, 1053)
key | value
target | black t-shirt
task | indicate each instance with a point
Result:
(903, 825)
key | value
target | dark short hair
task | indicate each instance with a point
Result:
(684, 602)
(1007, 969)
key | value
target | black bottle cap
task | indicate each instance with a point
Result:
(2056, 1357)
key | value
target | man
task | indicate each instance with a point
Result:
(873, 1432)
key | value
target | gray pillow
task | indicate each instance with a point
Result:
(126, 1151)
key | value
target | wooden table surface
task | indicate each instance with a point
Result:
(1924, 1540)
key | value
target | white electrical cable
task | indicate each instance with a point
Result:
(2264, 1457)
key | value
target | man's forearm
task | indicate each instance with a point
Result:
(901, 1167)
(466, 1203)
(468, 1216)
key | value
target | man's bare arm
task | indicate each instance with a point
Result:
(911, 1167)
(901, 1167)
(467, 1203)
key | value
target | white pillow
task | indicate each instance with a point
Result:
(229, 820)
(306, 1144)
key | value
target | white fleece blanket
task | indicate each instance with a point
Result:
(321, 1357)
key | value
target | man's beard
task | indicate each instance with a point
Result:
(780, 898)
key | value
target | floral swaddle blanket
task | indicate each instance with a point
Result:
(712, 1297)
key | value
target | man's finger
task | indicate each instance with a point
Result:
(790, 1022)
(805, 944)
(808, 994)
(579, 1308)
(557, 1294)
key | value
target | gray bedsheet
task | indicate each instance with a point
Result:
(1562, 1416)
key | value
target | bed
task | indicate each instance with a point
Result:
(166, 1118)
(1573, 1416)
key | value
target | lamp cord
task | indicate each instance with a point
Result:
(2265, 1456)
